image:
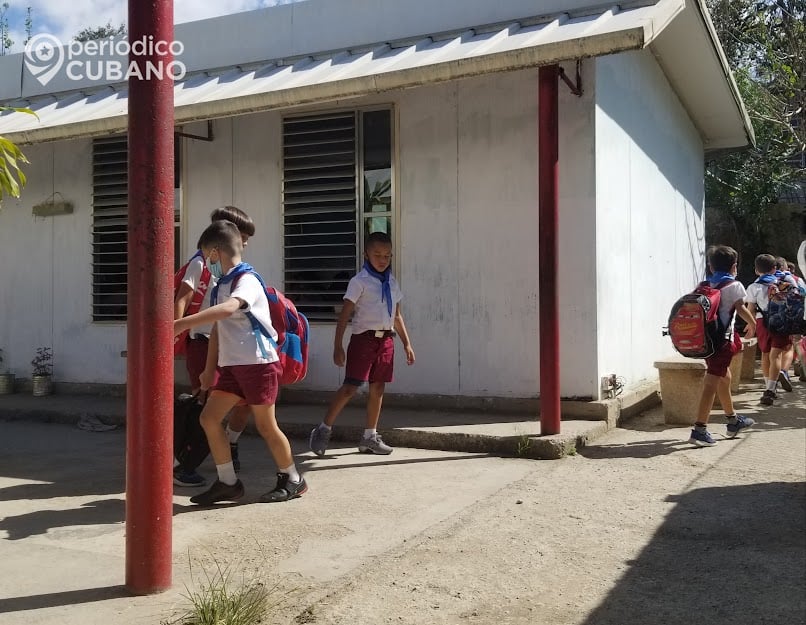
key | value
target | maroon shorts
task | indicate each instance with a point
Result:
(257, 384)
(767, 340)
(370, 359)
(719, 363)
(196, 360)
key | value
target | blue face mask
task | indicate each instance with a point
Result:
(215, 269)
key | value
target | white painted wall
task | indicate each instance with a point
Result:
(649, 218)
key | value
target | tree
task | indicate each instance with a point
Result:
(765, 43)
(12, 179)
(5, 37)
(100, 32)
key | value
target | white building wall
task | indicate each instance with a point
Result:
(46, 296)
(650, 197)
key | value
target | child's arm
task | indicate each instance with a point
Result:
(208, 316)
(750, 318)
(208, 375)
(182, 301)
(400, 328)
(339, 358)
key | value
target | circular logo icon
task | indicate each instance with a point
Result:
(44, 56)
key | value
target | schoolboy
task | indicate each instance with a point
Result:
(245, 374)
(722, 261)
(373, 300)
(772, 345)
(197, 341)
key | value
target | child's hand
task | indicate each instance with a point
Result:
(178, 329)
(749, 331)
(409, 355)
(206, 380)
(338, 356)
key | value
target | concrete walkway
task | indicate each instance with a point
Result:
(638, 527)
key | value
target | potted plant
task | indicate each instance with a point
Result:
(6, 378)
(42, 378)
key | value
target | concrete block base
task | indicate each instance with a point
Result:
(680, 388)
(748, 372)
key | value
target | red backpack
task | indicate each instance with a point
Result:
(694, 324)
(291, 326)
(195, 303)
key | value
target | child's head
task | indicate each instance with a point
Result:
(780, 264)
(378, 251)
(221, 242)
(722, 258)
(765, 263)
(241, 220)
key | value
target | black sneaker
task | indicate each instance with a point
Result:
(233, 449)
(768, 398)
(783, 379)
(219, 492)
(285, 489)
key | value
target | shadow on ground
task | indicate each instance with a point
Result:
(725, 556)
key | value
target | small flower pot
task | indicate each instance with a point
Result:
(42, 385)
(6, 383)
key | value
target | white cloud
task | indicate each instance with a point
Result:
(66, 19)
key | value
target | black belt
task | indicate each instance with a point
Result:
(378, 334)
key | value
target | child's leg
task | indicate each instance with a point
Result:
(276, 440)
(765, 365)
(709, 390)
(776, 355)
(218, 405)
(374, 402)
(339, 401)
(723, 391)
(787, 356)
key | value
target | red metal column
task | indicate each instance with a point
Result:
(149, 405)
(548, 164)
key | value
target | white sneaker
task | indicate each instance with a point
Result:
(374, 445)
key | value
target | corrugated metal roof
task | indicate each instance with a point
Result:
(348, 73)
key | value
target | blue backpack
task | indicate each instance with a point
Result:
(291, 326)
(784, 314)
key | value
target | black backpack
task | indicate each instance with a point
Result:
(190, 441)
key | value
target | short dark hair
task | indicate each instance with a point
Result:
(377, 237)
(224, 235)
(765, 263)
(234, 214)
(722, 257)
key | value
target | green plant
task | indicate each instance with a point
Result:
(43, 361)
(222, 600)
(524, 443)
(12, 180)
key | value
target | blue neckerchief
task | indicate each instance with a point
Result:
(780, 275)
(386, 287)
(229, 277)
(718, 277)
(767, 278)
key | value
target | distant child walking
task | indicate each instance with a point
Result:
(722, 261)
(772, 345)
(373, 300)
(246, 374)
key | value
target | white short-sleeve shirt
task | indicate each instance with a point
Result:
(758, 294)
(237, 343)
(371, 313)
(729, 295)
(192, 278)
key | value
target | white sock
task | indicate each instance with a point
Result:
(226, 473)
(771, 384)
(293, 474)
(233, 436)
(325, 426)
(369, 433)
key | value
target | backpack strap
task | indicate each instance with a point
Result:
(257, 328)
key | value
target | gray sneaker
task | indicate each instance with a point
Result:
(319, 440)
(374, 445)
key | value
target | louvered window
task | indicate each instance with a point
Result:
(110, 209)
(337, 187)
(109, 222)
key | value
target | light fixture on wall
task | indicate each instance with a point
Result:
(54, 205)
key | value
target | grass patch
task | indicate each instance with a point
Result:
(222, 598)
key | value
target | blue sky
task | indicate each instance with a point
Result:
(65, 18)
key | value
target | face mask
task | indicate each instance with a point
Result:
(214, 268)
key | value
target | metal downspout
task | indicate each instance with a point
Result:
(548, 174)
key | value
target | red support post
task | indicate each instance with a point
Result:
(150, 374)
(548, 177)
